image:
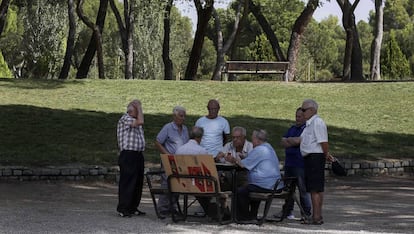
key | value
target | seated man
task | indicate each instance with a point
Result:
(239, 147)
(263, 166)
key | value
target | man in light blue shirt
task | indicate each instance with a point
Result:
(173, 135)
(263, 166)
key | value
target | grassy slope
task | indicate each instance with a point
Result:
(53, 122)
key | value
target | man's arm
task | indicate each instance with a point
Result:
(290, 141)
(140, 115)
(161, 148)
(325, 149)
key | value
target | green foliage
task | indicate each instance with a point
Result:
(180, 42)
(394, 64)
(4, 69)
(261, 50)
(47, 122)
(208, 60)
(42, 43)
(326, 55)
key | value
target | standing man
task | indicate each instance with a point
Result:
(216, 129)
(171, 136)
(131, 143)
(294, 167)
(315, 150)
(263, 166)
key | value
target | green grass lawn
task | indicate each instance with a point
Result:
(44, 122)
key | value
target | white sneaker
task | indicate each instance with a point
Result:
(291, 217)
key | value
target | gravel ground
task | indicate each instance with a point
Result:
(352, 205)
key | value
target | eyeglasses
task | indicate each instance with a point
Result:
(305, 109)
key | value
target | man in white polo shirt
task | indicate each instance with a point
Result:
(315, 150)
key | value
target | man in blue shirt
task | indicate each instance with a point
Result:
(169, 139)
(263, 166)
(294, 167)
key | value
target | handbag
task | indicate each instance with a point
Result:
(338, 169)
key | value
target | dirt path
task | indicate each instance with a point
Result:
(355, 204)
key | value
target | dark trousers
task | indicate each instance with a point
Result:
(131, 165)
(246, 208)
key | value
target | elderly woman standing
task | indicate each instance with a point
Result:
(131, 143)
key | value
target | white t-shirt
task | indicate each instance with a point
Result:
(214, 129)
(314, 133)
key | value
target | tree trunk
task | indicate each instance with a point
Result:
(70, 41)
(352, 70)
(295, 38)
(375, 65)
(357, 73)
(168, 65)
(126, 32)
(203, 16)
(4, 6)
(267, 29)
(223, 49)
(95, 44)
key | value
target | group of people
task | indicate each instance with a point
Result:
(305, 143)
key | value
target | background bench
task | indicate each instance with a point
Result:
(255, 67)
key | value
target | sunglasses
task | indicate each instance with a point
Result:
(305, 109)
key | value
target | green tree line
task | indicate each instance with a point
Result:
(136, 39)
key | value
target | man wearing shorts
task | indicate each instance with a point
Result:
(315, 150)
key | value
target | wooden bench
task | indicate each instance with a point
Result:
(255, 67)
(194, 175)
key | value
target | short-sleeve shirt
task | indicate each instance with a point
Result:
(130, 138)
(191, 147)
(171, 138)
(313, 135)
(214, 129)
(293, 156)
(228, 147)
(263, 166)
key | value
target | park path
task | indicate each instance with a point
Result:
(352, 205)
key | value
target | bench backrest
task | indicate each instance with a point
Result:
(256, 67)
(191, 167)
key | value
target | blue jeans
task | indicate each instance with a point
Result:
(305, 200)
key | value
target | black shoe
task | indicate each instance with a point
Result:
(138, 213)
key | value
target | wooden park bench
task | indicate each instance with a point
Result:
(255, 67)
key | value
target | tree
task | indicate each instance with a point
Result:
(4, 69)
(375, 65)
(261, 19)
(352, 70)
(168, 65)
(221, 47)
(204, 11)
(126, 30)
(295, 39)
(42, 44)
(95, 44)
(4, 6)
(70, 42)
(394, 63)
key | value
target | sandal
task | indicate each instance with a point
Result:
(319, 222)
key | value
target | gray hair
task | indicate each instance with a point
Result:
(131, 107)
(312, 103)
(196, 132)
(260, 134)
(178, 109)
(240, 129)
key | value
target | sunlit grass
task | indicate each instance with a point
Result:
(58, 122)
